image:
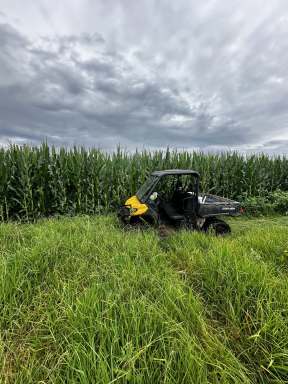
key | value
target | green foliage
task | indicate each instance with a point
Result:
(82, 301)
(280, 201)
(274, 202)
(44, 181)
(257, 205)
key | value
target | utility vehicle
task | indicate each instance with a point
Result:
(171, 197)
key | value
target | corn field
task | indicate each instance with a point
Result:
(44, 181)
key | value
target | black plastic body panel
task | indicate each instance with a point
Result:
(212, 205)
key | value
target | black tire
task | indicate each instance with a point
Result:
(137, 223)
(217, 227)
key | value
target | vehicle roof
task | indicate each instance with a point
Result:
(167, 172)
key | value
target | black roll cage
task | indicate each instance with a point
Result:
(158, 175)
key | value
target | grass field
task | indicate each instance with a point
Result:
(82, 301)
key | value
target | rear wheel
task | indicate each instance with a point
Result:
(217, 227)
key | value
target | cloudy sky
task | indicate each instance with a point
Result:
(187, 74)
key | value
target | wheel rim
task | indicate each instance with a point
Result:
(218, 229)
(221, 229)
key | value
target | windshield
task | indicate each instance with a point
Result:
(146, 187)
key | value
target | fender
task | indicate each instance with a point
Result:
(136, 207)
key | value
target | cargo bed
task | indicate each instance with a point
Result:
(216, 205)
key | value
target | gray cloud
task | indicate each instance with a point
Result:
(189, 75)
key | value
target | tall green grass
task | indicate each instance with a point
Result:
(82, 301)
(43, 181)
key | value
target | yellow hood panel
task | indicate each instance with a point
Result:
(134, 202)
